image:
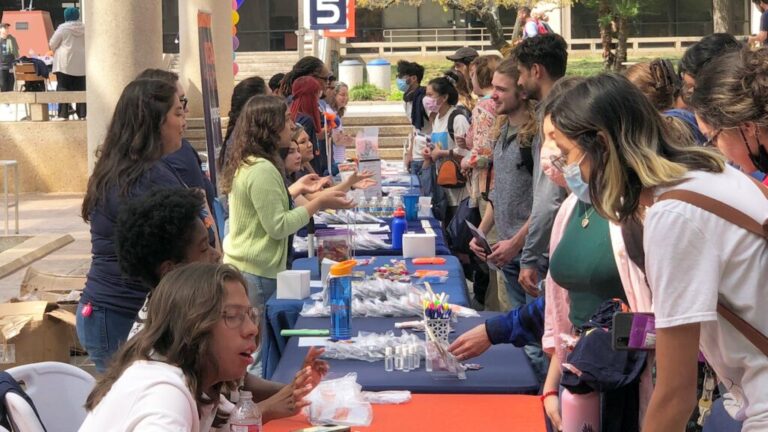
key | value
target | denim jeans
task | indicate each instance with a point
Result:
(425, 176)
(517, 297)
(260, 289)
(102, 333)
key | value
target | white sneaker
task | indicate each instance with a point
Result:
(59, 119)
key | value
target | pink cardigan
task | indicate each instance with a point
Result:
(556, 321)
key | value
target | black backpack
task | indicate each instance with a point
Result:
(460, 110)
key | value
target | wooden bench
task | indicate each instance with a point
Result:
(27, 73)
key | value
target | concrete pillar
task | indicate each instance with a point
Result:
(122, 39)
(189, 49)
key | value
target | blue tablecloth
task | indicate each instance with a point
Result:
(413, 226)
(505, 369)
(282, 314)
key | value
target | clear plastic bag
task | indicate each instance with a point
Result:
(370, 347)
(340, 402)
(391, 397)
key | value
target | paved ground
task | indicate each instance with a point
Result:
(51, 214)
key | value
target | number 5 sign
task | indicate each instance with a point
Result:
(328, 14)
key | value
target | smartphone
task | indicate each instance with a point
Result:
(480, 238)
(634, 331)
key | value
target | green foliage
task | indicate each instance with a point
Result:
(366, 92)
(395, 95)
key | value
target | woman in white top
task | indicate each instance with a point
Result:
(68, 44)
(449, 133)
(616, 148)
(198, 339)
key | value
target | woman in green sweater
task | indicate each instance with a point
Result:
(261, 218)
(260, 215)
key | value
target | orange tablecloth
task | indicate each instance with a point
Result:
(446, 413)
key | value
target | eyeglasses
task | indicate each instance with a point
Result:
(184, 101)
(234, 316)
(559, 162)
(712, 142)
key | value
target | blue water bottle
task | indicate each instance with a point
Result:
(340, 289)
(399, 225)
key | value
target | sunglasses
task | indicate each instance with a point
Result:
(328, 78)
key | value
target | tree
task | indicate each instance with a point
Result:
(613, 17)
(486, 10)
(721, 16)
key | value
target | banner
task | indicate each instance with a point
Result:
(348, 32)
(210, 92)
(327, 14)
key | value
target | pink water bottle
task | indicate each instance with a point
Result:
(580, 412)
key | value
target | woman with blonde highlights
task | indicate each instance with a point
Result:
(617, 146)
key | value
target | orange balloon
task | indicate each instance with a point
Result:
(234, 31)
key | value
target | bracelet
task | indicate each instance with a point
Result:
(548, 394)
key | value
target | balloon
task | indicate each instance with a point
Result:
(235, 69)
(234, 30)
(234, 55)
(235, 17)
(235, 42)
(240, 3)
(234, 5)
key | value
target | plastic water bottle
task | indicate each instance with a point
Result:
(581, 412)
(246, 417)
(399, 225)
(340, 289)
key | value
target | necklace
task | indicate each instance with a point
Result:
(587, 214)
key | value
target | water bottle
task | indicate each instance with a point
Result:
(246, 416)
(399, 225)
(581, 412)
(340, 289)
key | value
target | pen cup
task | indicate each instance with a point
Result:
(440, 327)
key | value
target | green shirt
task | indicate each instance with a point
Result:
(260, 220)
(583, 263)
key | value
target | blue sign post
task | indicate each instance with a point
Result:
(328, 14)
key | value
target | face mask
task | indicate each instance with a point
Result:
(402, 84)
(760, 160)
(431, 104)
(576, 184)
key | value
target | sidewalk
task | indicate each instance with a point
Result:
(52, 214)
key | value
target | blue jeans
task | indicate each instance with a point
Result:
(425, 176)
(260, 289)
(102, 333)
(517, 298)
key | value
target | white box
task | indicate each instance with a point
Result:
(293, 285)
(418, 245)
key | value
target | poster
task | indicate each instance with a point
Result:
(211, 112)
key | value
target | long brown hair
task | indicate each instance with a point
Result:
(257, 133)
(530, 128)
(133, 142)
(183, 311)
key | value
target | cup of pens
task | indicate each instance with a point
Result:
(437, 318)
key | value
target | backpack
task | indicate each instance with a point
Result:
(636, 252)
(459, 110)
(543, 28)
(449, 175)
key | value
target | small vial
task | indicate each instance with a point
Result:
(415, 360)
(389, 360)
(427, 360)
(399, 358)
(407, 363)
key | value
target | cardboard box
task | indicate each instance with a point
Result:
(64, 290)
(32, 332)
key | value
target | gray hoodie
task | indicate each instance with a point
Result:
(68, 45)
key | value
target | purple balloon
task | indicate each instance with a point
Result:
(240, 3)
(235, 43)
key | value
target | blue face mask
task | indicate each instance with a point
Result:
(580, 188)
(402, 85)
